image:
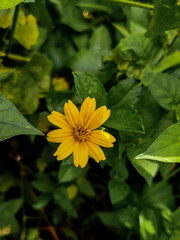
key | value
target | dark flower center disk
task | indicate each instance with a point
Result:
(81, 134)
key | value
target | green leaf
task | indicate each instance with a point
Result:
(26, 32)
(24, 86)
(125, 92)
(175, 235)
(61, 198)
(68, 172)
(7, 213)
(56, 100)
(90, 86)
(166, 147)
(43, 14)
(166, 17)
(137, 15)
(33, 234)
(86, 61)
(91, 53)
(73, 17)
(6, 181)
(125, 119)
(164, 88)
(146, 168)
(149, 110)
(4, 4)
(128, 216)
(6, 18)
(44, 184)
(148, 225)
(12, 122)
(100, 42)
(158, 196)
(109, 219)
(135, 48)
(85, 186)
(117, 190)
(168, 61)
(42, 201)
(119, 170)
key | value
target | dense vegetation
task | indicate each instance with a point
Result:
(126, 55)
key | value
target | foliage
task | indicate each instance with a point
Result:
(126, 55)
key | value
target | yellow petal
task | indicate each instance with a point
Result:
(75, 154)
(59, 120)
(65, 149)
(80, 154)
(59, 135)
(95, 151)
(87, 109)
(98, 118)
(102, 138)
(71, 113)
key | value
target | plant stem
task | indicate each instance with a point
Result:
(135, 4)
(172, 174)
(15, 18)
(14, 57)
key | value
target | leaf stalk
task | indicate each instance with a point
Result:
(135, 4)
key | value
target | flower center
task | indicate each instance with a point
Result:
(81, 134)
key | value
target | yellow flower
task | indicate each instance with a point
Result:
(77, 132)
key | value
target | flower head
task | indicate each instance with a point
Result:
(77, 132)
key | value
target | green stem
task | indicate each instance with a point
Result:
(16, 13)
(135, 4)
(14, 57)
(172, 174)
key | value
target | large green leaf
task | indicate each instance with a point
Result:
(4, 4)
(125, 92)
(24, 86)
(149, 110)
(166, 17)
(166, 148)
(124, 118)
(90, 86)
(12, 122)
(146, 168)
(164, 88)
